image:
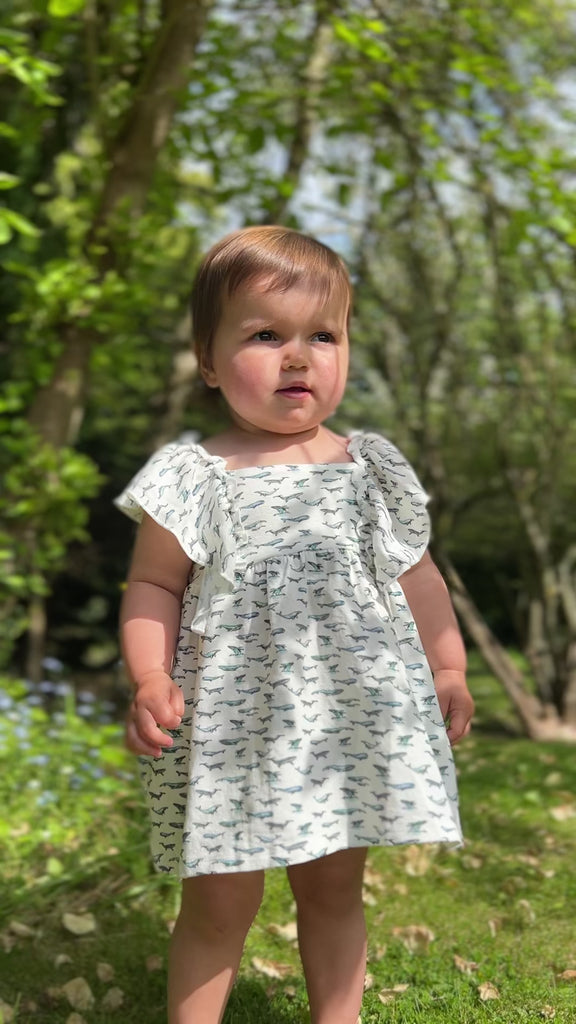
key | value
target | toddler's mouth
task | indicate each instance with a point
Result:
(295, 389)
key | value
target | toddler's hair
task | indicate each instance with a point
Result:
(281, 257)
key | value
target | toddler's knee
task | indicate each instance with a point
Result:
(331, 885)
(221, 905)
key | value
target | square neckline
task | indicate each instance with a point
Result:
(220, 461)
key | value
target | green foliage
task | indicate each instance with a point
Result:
(64, 8)
(438, 147)
(42, 511)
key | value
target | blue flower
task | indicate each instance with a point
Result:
(46, 798)
(52, 664)
(39, 759)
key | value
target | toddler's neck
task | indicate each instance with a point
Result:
(243, 450)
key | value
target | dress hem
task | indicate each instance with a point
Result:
(266, 863)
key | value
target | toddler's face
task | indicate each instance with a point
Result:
(268, 341)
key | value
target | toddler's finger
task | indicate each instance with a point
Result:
(147, 726)
(459, 726)
(136, 745)
(177, 702)
(156, 709)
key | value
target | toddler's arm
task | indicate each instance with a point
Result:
(149, 625)
(430, 604)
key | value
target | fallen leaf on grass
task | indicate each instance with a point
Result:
(563, 812)
(368, 898)
(61, 959)
(548, 1012)
(417, 860)
(22, 931)
(79, 994)
(105, 972)
(415, 937)
(528, 858)
(368, 981)
(494, 924)
(554, 779)
(6, 1012)
(79, 924)
(285, 931)
(7, 941)
(154, 962)
(567, 976)
(525, 912)
(373, 879)
(379, 953)
(388, 995)
(472, 862)
(465, 966)
(488, 991)
(271, 968)
(113, 999)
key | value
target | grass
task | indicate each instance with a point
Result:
(73, 839)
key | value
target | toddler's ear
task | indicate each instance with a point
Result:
(207, 371)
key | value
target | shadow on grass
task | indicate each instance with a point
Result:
(250, 1003)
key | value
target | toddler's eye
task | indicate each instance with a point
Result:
(264, 335)
(324, 336)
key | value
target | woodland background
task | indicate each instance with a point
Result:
(432, 144)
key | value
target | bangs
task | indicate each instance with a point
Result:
(289, 260)
(275, 257)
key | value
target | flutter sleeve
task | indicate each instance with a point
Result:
(186, 491)
(171, 488)
(394, 505)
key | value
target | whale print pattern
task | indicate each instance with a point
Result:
(311, 722)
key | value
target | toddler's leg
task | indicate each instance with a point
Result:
(332, 933)
(207, 943)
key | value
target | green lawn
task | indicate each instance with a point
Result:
(73, 840)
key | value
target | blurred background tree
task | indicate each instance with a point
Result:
(430, 144)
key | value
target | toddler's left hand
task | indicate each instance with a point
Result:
(455, 701)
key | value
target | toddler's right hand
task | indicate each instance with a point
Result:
(158, 701)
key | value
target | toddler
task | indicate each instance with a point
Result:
(293, 649)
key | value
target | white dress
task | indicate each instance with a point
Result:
(311, 720)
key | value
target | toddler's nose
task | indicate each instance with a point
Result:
(295, 355)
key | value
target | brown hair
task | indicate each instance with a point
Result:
(283, 257)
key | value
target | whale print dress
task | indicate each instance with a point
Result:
(311, 722)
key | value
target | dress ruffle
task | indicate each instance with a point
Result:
(196, 508)
(394, 505)
(189, 492)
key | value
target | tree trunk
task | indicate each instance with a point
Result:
(540, 721)
(183, 380)
(310, 85)
(36, 638)
(149, 120)
(57, 410)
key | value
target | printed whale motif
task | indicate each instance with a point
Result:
(311, 720)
